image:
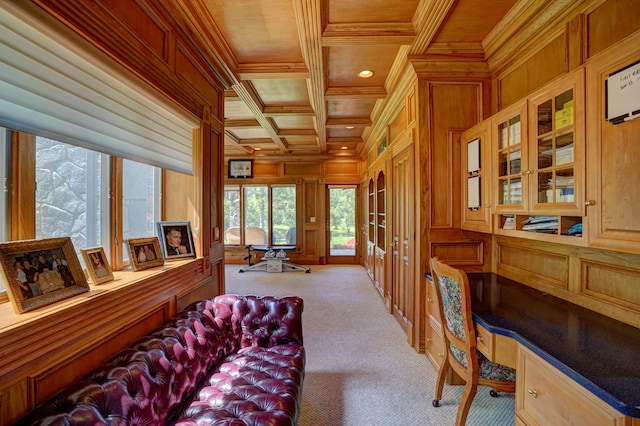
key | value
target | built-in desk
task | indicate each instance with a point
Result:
(597, 352)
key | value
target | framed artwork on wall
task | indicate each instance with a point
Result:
(240, 169)
(97, 265)
(41, 272)
(144, 253)
(176, 240)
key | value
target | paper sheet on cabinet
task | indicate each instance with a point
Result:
(473, 193)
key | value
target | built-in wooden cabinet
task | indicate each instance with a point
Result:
(477, 178)
(371, 228)
(613, 165)
(546, 396)
(381, 233)
(538, 160)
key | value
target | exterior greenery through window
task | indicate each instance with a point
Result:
(265, 213)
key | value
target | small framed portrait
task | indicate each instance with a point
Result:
(176, 240)
(144, 253)
(240, 169)
(41, 272)
(97, 265)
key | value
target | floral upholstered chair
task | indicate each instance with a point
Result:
(452, 290)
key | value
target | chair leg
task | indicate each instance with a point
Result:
(466, 399)
(442, 375)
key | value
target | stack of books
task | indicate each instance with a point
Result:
(544, 224)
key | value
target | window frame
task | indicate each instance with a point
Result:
(241, 187)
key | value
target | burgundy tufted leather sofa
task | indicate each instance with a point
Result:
(234, 360)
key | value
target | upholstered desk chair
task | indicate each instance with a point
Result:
(452, 290)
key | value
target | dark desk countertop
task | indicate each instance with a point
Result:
(598, 352)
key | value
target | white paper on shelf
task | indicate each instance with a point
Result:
(473, 193)
(473, 156)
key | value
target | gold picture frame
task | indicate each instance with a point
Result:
(58, 274)
(145, 253)
(97, 265)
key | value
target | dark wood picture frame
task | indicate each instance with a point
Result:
(97, 265)
(58, 274)
(151, 254)
(181, 249)
(240, 169)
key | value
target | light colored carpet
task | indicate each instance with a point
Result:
(360, 370)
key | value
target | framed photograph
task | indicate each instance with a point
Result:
(176, 240)
(41, 272)
(144, 253)
(97, 265)
(240, 169)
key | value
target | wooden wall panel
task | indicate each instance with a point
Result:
(549, 62)
(342, 169)
(303, 169)
(145, 24)
(463, 253)
(191, 72)
(269, 169)
(612, 21)
(611, 283)
(398, 126)
(533, 264)
(456, 107)
(44, 385)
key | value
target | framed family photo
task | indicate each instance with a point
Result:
(176, 239)
(41, 272)
(144, 253)
(97, 265)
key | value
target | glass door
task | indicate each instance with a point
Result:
(342, 235)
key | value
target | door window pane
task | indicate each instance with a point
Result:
(342, 221)
(256, 214)
(283, 200)
(232, 215)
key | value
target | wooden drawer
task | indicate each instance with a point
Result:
(546, 396)
(432, 302)
(485, 342)
(496, 347)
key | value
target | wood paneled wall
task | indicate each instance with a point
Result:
(45, 350)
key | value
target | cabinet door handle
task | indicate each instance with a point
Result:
(532, 392)
(429, 300)
(480, 339)
(590, 203)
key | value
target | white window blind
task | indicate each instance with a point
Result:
(56, 85)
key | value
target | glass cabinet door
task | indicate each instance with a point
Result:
(511, 160)
(557, 142)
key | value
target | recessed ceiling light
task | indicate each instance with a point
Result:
(257, 148)
(344, 147)
(365, 74)
(350, 127)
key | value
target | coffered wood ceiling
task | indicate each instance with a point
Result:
(297, 93)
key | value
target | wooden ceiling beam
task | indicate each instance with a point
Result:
(230, 139)
(345, 140)
(275, 110)
(244, 123)
(297, 132)
(248, 95)
(309, 22)
(368, 33)
(272, 71)
(346, 121)
(355, 92)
